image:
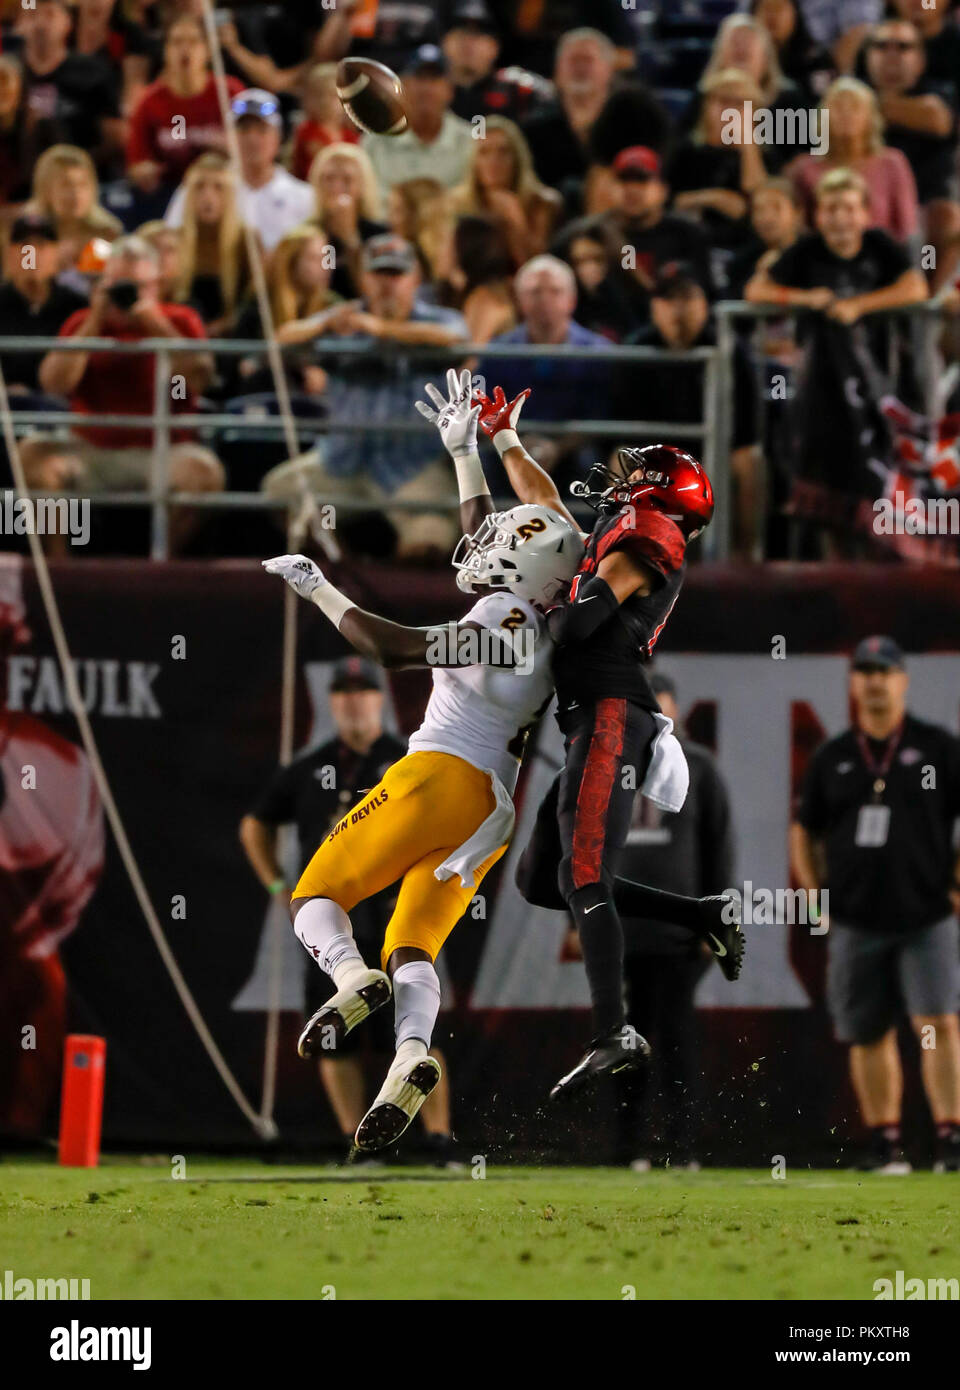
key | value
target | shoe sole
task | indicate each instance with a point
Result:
(342, 1018)
(384, 1123)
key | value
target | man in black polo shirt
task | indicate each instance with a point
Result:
(880, 801)
(313, 792)
(32, 303)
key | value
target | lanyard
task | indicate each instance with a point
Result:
(880, 770)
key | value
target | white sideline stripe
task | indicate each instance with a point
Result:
(261, 1124)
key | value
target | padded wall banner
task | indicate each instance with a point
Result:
(179, 667)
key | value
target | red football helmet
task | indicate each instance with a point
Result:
(658, 476)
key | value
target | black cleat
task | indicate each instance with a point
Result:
(621, 1049)
(885, 1157)
(724, 934)
(947, 1156)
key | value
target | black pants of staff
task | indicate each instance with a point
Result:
(659, 998)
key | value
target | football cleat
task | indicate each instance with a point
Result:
(325, 1031)
(724, 934)
(622, 1049)
(947, 1157)
(885, 1158)
(401, 1096)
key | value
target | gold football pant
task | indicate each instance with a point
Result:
(425, 807)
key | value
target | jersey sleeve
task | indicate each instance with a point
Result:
(649, 537)
(278, 803)
(811, 809)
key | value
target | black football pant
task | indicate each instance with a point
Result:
(581, 827)
(660, 991)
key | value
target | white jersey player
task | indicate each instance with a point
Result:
(443, 815)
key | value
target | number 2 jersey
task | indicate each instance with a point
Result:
(482, 713)
(610, 662)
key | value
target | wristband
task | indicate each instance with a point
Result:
(277, 886)
(331, 602)
(504, 440)
(470, 479)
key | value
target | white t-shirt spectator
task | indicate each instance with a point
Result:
(272, 210)
(406, 156)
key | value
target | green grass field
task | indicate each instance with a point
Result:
(238, 1229)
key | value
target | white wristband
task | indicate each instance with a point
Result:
(470, 479)
(504, 440)
(331, 602)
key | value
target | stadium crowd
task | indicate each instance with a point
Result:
(573, 173)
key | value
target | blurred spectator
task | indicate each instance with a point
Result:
(674, 391)
(167, 242)
(801, 58)
(538, 27)
(502, 185)
(844, 270)
(347, 208)
(324, 121)
(379, 388)
(575, 137)
(937, 25)
(546, 294)
(178, 116)
(419, 211)
(102, 30)
(642, 236)
(54, 466)
(124, 305)
(840, 25)
(471, 45)
(271, 200)
(691, 853)
(603, 304)
(32, 303)
(69, 96)
(476, 269)
(16, 145)
(712, 175)
(65, 188)
(776, 219)
(921, 122)
(875, 829)
(745, 44)
(856, 142)
(295, 36)
(436, 144)
(215, 273)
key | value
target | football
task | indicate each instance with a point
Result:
(372, 96)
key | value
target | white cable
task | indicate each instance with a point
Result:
(261, 1124)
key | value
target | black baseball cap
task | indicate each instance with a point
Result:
(389, 252)
(880, 651)
(428, 58)
(32, 226)
(662, 684)
(675, 277)
(473, 14)
(355, 673)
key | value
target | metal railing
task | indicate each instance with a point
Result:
(163, 420)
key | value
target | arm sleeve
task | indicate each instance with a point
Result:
(592, 602)
(278, 804)
(811, 809)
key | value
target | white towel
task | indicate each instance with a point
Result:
(490, 835)
(668, 776)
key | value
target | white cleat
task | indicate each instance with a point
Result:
(332, 1022)
(401, 1096)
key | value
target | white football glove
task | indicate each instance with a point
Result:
(303, 575)
(456, 418)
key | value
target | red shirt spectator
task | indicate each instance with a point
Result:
(178, 116)
(123, 384)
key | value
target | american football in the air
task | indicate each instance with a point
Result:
(372, 96)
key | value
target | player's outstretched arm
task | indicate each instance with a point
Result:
(456, 419)
(394, 645)
(531, 483)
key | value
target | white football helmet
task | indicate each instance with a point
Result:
(530, 550)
